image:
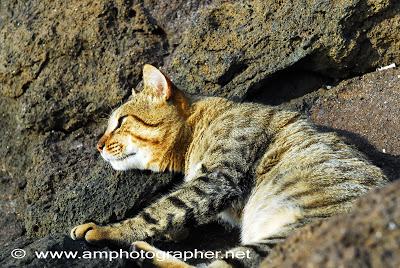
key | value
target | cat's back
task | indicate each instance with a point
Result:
(301, 149)
(279, 144)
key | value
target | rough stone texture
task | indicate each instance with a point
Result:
(176, 16)
(367, 237)
(69, 61)
(10, 227)
(233, 49)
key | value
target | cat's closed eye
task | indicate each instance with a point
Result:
(145, 123)
(121, 120)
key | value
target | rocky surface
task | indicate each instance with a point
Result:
(367, 237)
(65, 65)
(235, 49)
(10, 226)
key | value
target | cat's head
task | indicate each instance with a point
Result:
(148, 131)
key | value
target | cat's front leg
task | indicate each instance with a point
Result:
(195, 202)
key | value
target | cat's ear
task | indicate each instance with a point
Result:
(156, 83)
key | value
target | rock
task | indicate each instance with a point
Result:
(175, 17)
(11, 227)
(12, 167)
(365, 111)
(235, 48)
(367, 237)
(69, 62)
(63, 66)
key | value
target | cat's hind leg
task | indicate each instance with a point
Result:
(267, 220)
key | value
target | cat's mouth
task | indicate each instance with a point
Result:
(111, 158)
(137, 159)
(125, 157)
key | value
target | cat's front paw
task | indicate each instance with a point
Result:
(91, 232)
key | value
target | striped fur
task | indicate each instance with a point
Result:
(264, 170)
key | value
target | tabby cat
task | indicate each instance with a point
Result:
(261, 169)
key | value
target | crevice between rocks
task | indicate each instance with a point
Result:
(285, 85)
(233, 71)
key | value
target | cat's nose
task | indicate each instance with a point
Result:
(100, 145)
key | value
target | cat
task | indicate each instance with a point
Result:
(264, 170)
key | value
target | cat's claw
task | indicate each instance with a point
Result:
(91, 232)
(78, 232)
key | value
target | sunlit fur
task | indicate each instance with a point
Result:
(264, 170)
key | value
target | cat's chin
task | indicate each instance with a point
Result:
(126, 163)
(138, 160)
